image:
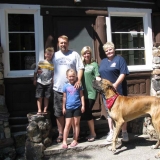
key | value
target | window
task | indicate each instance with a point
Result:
(130, 31)
(21, 38)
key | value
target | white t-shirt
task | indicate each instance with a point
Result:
(62, 62)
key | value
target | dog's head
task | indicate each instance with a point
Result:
(103, 86)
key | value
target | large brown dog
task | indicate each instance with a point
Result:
(127, 108)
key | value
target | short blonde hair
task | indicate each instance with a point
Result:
(49, 49)
(63, 37)
(84, 50)
(71, 70)
(108, 45)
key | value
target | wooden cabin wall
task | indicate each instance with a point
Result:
(89, 3)
(138, 84)
(156, 28)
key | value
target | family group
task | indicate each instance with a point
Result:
(70, 77)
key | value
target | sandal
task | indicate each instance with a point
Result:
(73, 144)
(45, 113)
(60, 138)
(91, 138)
(64, 146)
(39, 113)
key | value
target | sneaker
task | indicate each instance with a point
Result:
(110, 136)
(125, 137)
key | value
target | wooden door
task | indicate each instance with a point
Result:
(81, 32)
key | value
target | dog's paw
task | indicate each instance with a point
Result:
(153, 147)
(109, 148)
(114, 151)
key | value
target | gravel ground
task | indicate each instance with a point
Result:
(139, 149)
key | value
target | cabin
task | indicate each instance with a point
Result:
(27, 27)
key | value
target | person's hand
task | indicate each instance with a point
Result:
(77, 84)
(39, 71)
(115, 86)
(82, 109)
(98, 78)
(64, 111)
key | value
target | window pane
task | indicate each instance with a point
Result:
(22, 61)
(133, 57)
(126, 24)
(21, 41)
(128, 40)
(21, 22)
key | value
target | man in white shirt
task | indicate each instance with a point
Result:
(63, 60)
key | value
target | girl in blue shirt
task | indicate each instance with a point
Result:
(73, 106)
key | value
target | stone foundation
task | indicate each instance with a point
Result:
(142, 125)
(39, 133)
(7, 149)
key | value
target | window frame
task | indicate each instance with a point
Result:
(146, 15)
(6, 9)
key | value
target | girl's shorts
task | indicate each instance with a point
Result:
(73, 112)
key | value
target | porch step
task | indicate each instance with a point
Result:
(19, 141)
(18, 128)
(18, 124)
(18, 120)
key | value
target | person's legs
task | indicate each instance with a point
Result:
(47, 92)
(110, 134)
(125, 137)
(39, 96)
(89, 118)
(66, 130)
(46, 101)
(39, 105)
(76, 121)
(110, 124)
(92, 131)
(58, 114)
(124, 127)
(60, 124)
(73, 128)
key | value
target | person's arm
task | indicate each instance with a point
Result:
(96, 72)
(52, 77)
(82, 101)
(64, 103)
(79, 75)
(119, 81)
(35, 78)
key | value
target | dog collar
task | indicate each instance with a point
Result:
(110, 101)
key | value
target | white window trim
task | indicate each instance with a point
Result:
(39, 48)
(130, 12)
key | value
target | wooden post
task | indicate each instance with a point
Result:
(101, 37)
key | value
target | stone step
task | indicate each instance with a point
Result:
(18, 128)
(18, 120)
(19, 141)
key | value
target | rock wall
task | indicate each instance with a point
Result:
(7, 149)
(39, 132)
(148, 128)
(144, 125)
